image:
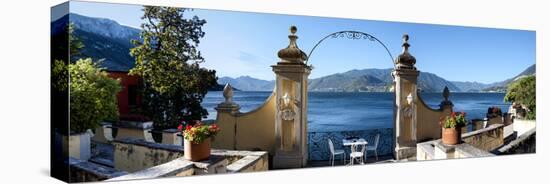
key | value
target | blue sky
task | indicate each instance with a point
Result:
(241, 43)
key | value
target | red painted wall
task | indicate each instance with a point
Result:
(125, 81)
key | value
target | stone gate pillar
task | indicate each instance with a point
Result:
(291, 104)
(405, 79)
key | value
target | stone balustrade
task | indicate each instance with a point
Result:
(133, 154)
(149, 160)
(487, 139)
(525, 143)
(478, 143)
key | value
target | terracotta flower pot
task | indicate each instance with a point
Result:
(451, 136)
(196, 152)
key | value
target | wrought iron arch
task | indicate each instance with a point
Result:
(355, 35)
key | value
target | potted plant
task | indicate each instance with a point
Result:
(494, 112)
(197, 139)
(451, 127)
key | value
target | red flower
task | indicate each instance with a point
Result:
(180, 128)
(188, 127)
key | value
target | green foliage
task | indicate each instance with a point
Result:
(75, 44)
(60, 76)
(168, 61)
(92, 95)
(523, 91)
(455, 120)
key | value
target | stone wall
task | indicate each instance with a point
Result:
(428, 127)
(478, 143)
(244, 161)
(526, 143)
(252, 130)
(487, 139)
(318, 144)
(132, 154)
(83, 171)
(220, 161)
(161, 160)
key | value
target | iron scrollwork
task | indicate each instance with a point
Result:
(354, 35)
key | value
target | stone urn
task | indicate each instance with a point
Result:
(451, 136)
(196, 152)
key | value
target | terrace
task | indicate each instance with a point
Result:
(274, 135)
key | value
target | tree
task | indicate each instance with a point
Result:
(64, 46)
(168, 61)
(523, 91)
(92, 95)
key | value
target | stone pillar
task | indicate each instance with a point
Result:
(405, 76)
(291, 106)
(226, 138)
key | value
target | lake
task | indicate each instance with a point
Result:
(345, 111)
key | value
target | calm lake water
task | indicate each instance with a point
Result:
(344, 111)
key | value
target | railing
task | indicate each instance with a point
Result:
(318, 144)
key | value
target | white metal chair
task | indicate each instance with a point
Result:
(374, 146)
(334, 152)
(357, 154)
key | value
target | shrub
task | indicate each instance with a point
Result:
(92, 96)
(523, 91)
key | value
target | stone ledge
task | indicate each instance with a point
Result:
(171, 168)
(467, 150)
(88, 171)
(141, 142)
(480, 131)
(521, 140)
(133, 125)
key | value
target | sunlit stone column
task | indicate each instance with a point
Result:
(227, 138)
(406, 75)
(291, 104)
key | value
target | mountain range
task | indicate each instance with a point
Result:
(103, 39)
(376, 80)
(110, 42)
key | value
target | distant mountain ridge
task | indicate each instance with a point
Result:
(247, 83)
(502, 85)
(103, 39)
(107, 40)
(375, 80)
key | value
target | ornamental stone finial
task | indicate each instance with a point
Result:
(293, 29)
(406, 44)
(405, 60)
(292, 54)
(228, 93)
(446, 93)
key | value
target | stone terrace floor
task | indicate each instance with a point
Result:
(338, 162)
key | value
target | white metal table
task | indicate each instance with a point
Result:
(353, 143)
